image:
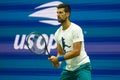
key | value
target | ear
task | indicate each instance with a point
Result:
(68, 14)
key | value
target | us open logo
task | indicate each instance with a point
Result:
(48, 12)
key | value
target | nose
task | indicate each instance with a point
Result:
(57, 14)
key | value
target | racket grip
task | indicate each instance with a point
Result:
(49, 55)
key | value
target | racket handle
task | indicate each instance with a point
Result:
(49, 55)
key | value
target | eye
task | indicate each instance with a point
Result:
(60, 12)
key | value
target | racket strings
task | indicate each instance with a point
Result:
(37, 44)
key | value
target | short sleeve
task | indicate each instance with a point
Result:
(78, 35)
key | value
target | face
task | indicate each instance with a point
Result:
(62, 15)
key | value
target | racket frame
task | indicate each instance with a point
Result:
(32, 33)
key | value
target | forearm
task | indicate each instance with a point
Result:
(75, 52)
(61, 56)
(71, 54)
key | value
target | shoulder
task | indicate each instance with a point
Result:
(58, 31)
(76, 27)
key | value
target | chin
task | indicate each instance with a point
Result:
(61, 21)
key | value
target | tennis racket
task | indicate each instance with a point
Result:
(36, 43)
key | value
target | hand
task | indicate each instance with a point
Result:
(54, 61)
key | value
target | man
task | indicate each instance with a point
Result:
(70, 45)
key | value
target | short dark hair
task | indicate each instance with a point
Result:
(66, 7)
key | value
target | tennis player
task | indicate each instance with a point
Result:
(70, 45)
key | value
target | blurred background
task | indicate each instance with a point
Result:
(99, 19)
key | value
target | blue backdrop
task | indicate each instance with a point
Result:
(99, 19)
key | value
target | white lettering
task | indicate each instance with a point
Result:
(40, 44)
(19, 42)
(51, 45)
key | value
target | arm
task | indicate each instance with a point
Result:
(60, 50)
(75, 52)
(77, 43)
(56, 64)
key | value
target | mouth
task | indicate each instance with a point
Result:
(59, 18)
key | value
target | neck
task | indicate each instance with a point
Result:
(66, 24)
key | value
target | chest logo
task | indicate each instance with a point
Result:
(64, 45)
